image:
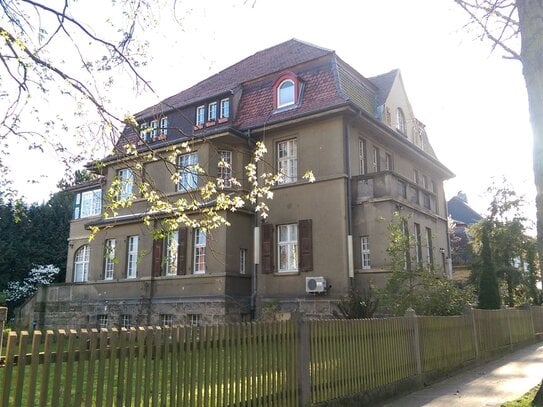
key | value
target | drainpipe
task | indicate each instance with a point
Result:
(347, 161)
(256, 247)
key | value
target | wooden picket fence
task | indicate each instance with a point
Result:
(288, 363)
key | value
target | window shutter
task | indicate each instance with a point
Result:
(305, 237)
(182, 251)
(156, 267)
(267, 248)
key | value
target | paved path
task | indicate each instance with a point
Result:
(490, 384)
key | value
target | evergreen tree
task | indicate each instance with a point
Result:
(531, 280)
(489, 293)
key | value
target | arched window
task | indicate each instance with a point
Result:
(81, 264)
(400, 121)
(285, 93)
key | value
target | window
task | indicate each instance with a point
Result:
(406, 254)
(224, 170)
(144, 131)
(425, 181)
(88, 203)
(172, 247)
(433, 186)
(286, 93)
(400, 121)
(199, 251)
(362, 155)
(126, 182)
(388, 118)
(200, 115)
(188, 175)
(195, 320)
(430, 247)
(166, 320)
(418, 243)
(426, 201)
(287, 247)
(212, 112)
(365, 252)
(402, 189)
(389, 166)
(242, 261)
(415, 176)
(109, 259)
(154, 129)
(81, 264)
(102, 320)
(225, 109)
(132, 257)
(287, 161)
(126, 321)
(376, 160)
(164, 126)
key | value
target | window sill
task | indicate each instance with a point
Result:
(286, 273)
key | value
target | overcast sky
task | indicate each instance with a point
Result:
(472, 101)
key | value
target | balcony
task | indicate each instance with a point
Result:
(389, 185)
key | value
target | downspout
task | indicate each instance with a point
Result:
(347, 161)
(256, 245)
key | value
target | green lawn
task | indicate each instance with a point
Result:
(525, 400)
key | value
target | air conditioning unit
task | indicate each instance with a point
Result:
(315, 285)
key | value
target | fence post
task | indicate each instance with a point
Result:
(468, 311)
(509, 327)
(3, 318)
(414, 324)
(304, 361)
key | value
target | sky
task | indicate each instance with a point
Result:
(472, 101)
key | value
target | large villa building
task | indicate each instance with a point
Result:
(369, 155)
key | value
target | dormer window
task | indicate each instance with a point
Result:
(212, 112)
(285, 93)
(225, 109)
(164, 126)
(144, 131)
(200, 115)
(286, 90)
(154, 127)
(400, 121)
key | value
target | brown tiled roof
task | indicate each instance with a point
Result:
(274, 59)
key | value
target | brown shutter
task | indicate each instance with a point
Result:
(267, 247)
(156, 267)
(305, 240)
(182, 251)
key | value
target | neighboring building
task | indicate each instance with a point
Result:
(370, 157)
(462, 216)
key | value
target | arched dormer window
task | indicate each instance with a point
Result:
(286, 90)
(400, 121)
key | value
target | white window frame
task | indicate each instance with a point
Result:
(102, 320)
(164, 125)
(171, 250)
(376, 159)
(225, 108)
(109, 258)
(283, 98)
(212, 112)
(126, 321)
(287, 248)
(154, 129)
(362, 156)
(195, 320)
(166, 320)
(132, 243)
(126, 181)
(199, 257)
(429, 247)
(418, 244)
(400, 121)
(224, 168)
(188, 176)
(200, 115)
(88, 203)
(287, 161)
(144, 131)
(81, 264)
(388, 162)
(365, 252)
(242, 261)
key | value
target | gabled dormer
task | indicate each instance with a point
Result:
(287, 91)
(394, 110)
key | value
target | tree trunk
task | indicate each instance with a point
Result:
(531, 30)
